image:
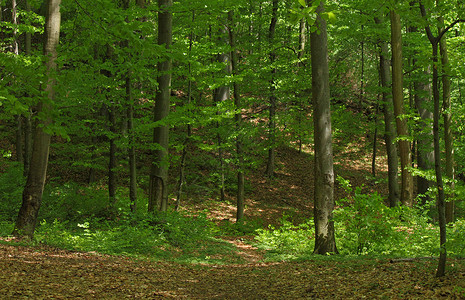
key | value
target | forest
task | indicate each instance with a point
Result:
(227, 149)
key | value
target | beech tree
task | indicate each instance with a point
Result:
(158, 188)
(324, 174)
(406, 195)
(32, 194)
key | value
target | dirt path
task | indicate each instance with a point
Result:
(57, 274)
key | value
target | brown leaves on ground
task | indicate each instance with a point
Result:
(46, 273)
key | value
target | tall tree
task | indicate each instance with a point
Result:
(406, 195)
(270, 166)
(447, 117)
(32, 194)
(220, 94)
(238, 120)
(324, 174)
(389, 129)
(158, 186)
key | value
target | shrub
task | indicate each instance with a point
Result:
(288, 239)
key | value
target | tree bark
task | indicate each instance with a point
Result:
(32, 194)
(324, 173)
(406, 195)
(447, 116)
(389, 129)
(221, 94)
(112, 155)
(158, 186)
(425, 157)
(270, 165)
(437, 150)
(238, 121)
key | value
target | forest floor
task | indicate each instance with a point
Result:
(41, 272)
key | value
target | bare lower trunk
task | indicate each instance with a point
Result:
(158, 186)
(448, 136)
(406, 195)
(32, 194)
(238, 121)
(389, 129)
(324, 175)
(270, 165)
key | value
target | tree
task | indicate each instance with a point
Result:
(324, 174)
(447, 117)
(272, 106)
(158, 186)
(32, 194)
(435, 40)
(406, 195)
(238, 120)
(389, 129)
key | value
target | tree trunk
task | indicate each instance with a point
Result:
(32, 194)
(19, 117)
(389, 129)
(238, 121)
(425, 145)
(437, 150)
(189, 129)
(324, 174)
(406, 195)
(158, 186)
(270, 165)
(131, 148)
(112, 155)
(221, 94)
(448, 136)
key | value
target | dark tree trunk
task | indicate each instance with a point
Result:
(270, 165)
(158, 186)
(112, 156)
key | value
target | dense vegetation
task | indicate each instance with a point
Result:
(239, 97)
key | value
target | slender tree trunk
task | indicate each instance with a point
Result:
(238, 121)
(375, 139)
(389, 129)
(19, 118)
(189, 129)
(131, 148)
(324, 173)
(406, 196)
(437, 150)
(130, 129)
(425, 157)
(448, 136)
(32, 194)
(270, 166)
(221, 94)
(27, 142)
(112, 155)
(27, 118)
(158, 186)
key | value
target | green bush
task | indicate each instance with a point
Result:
(73, 202)
(287, 240)
(365, 225)
(140, 234)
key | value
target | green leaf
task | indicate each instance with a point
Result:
(303, 3)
